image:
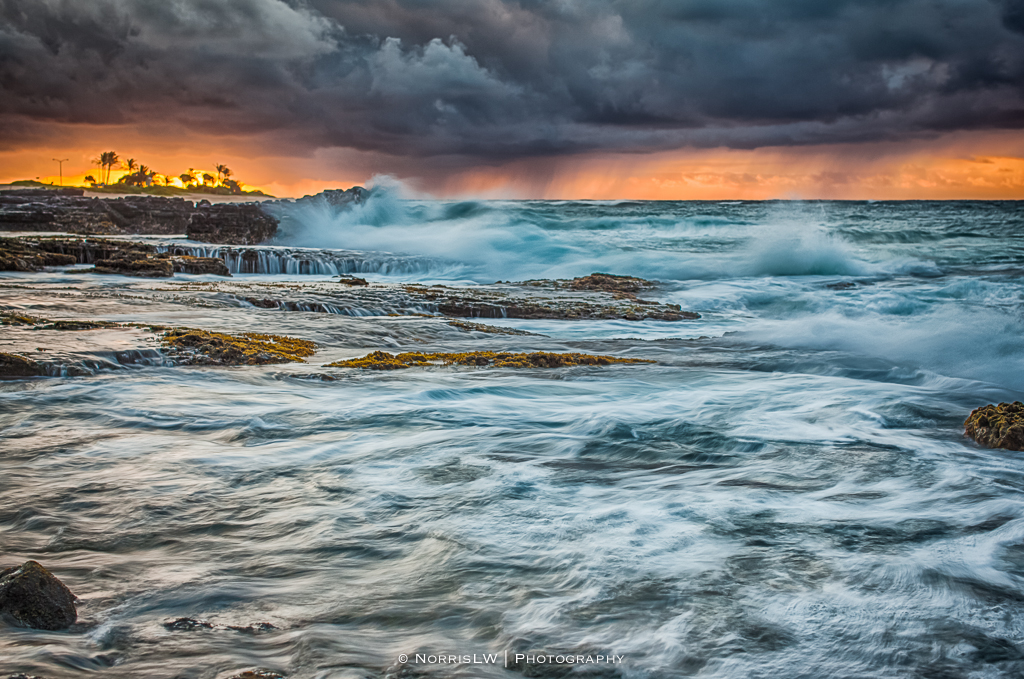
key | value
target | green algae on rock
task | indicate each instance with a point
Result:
(489, 329)
(78, 325)
(13, 365)
(216, 348)
(997, 426)
(10, 317)
(382, 360)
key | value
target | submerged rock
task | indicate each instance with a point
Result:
(18, 318)
(13, 365)
(997, 426)
(32, 596)
(347, 279)
(75, 325)
(187, 625)
(258, 673)
(255, 628)
(489, 329)
(215, 348)
(484, 303)
(382, 360)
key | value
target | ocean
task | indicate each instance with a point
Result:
(785, 493)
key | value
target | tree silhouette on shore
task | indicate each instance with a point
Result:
(107, 161)
(141, 175)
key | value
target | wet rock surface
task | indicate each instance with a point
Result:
(188, 346)
(13, 365)
(231, 224)
(187, 625)
(21, 255)
(31, 596)
(335, 197)
(108, 256)
(489, 329)
(194, 625)
(997, 426)
(477, 302)
(68, 210)
(258, 673)
(200, 265)
(574, 304)
(382, 360)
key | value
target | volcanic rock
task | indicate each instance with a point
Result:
(68, 210)
(32, 596)
(610, 283)
(337, 197)
(187, 625)
(258, 673)
(997, 426)
(200, 265)
(17, 255)
(13, 365)
(109, 256)
(147, 267)
(189, 346)
(382, 360)
(231, 224)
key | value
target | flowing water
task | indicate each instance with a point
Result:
(786, 493)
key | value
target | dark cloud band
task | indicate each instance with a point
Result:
(500, 79)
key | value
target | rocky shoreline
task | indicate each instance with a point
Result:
(69, 210)
(107, 256)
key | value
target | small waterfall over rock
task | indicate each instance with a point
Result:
(301, 261)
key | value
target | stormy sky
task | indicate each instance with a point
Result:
(494, 80)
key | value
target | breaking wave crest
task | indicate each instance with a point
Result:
(495, 240)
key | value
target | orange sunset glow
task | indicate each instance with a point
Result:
(982, 166)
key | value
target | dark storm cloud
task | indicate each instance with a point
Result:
(501, 79)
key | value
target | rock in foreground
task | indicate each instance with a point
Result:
(997, 426)
(13, 365)
(382, 360)
(32, 596)
(216, 348)
(109, 257)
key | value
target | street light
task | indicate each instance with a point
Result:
(60, 167)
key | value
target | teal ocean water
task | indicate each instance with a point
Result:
(785, 493)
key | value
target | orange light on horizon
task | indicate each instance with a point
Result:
(967, 165)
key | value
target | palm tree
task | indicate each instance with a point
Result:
(223, 172)
(107, 161)
(130, 165)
